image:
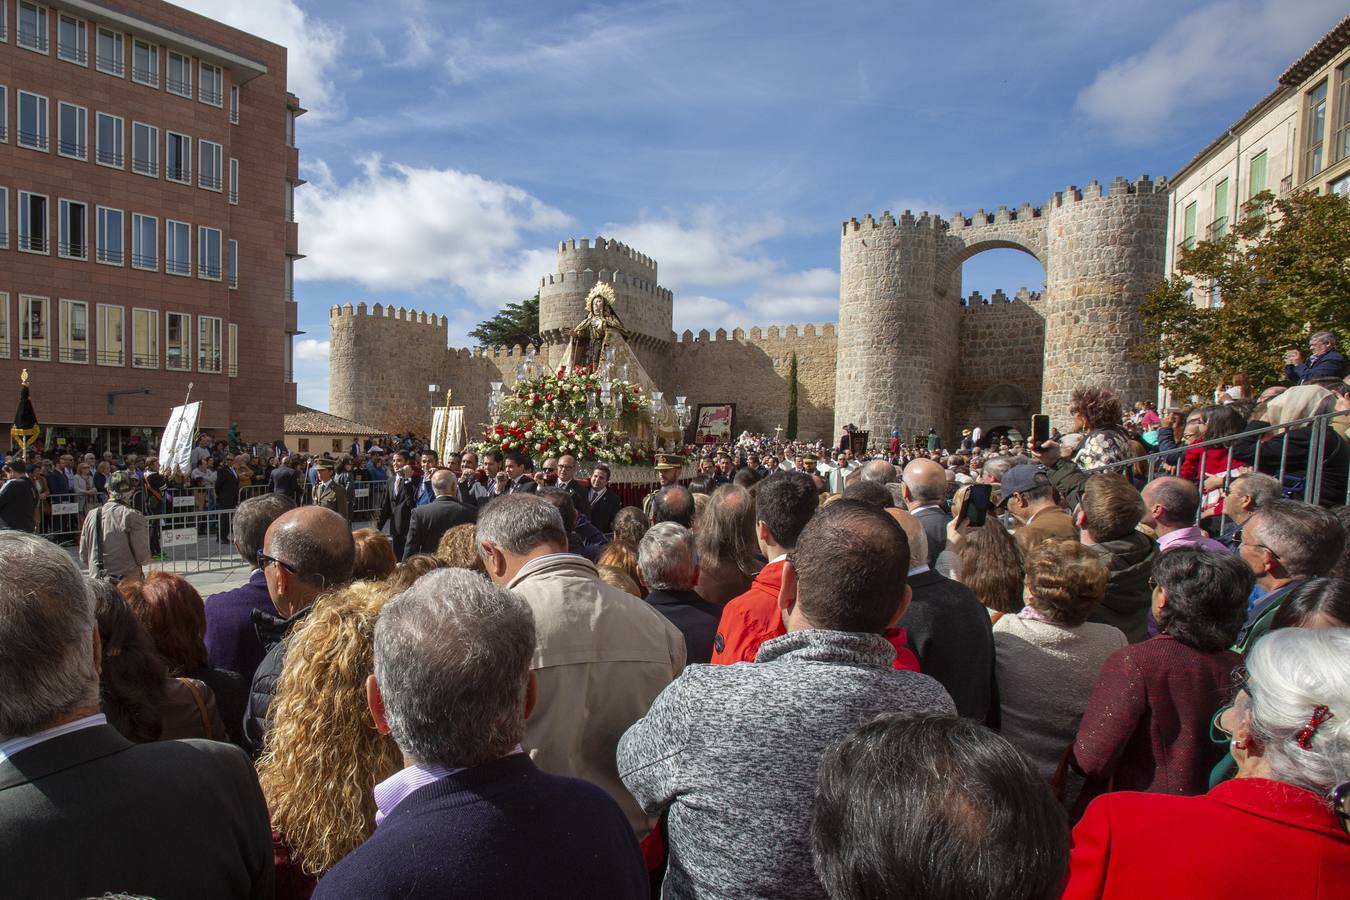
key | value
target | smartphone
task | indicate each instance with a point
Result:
(976, 509)
(1040, 431)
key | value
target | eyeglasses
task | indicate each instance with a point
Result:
(550, 468)
(1261, 546)
(264, 561)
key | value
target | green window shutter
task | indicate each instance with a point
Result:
(1219, 227)
(1257, 175)
(1188, 234)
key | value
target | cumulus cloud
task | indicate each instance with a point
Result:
(401, 227)
(703, 249)
(796, 298)
(310, 350)
(313, 45)
(1222, 50)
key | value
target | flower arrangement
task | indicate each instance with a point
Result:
(572, 412)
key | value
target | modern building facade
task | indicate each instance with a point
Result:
(147, 233)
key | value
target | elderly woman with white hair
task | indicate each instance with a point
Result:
(1286, 453)
(1279, 829)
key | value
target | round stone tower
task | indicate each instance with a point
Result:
(644, 307)
(897, 337)
(1106, 250)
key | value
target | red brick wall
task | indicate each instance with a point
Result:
(76, 394)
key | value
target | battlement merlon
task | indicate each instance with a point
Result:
(587, 278)
(907, 222)
(1119, 187)
(580, 254)
(688, 339)
(380, 311)
(999, 299)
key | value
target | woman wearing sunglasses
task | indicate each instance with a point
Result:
(1279, 829)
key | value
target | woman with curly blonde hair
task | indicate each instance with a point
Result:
(459, 550)
(324, 756)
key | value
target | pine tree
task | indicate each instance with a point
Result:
(792, 400)
(515, 326)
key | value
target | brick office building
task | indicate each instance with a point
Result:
(147, 235)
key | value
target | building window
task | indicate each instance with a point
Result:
(178, 342)
(108, 53)
(109, 249)
(109, 140)
(4, 298)
(208, 165)
(4, 103)
(72, 131)
(303, 444)
(145, 63)
(234, 350)
(234, 104)
(1343, 115)
(1219, 227)
(1315, 130)
(144, 242)
(1340, 187)
(72, 44)
(74, 331)
(288, 280)
(32, 222)
(32, 26)
(234, 182)
(1188, 229)
(178, 75)
(290, 128)
(145, 338)
(1256, 175)
(210, 84)
(232, 264)
(208, 253)
(177, 157)
(177, 258)
(112, 346)
(144, 149)
(32, 121)
(73, 230)
(208, 344)
(290, 201)
(34, 324)
(4, 218)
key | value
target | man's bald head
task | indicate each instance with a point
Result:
(913, 529)
(925, 482)
(315, 544)
(878, 470)
(443, 483)
(1170, 502)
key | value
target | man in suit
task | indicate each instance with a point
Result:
(470, 814)
(603, 502)
(428, 523)
(473, 489)
(285, 480)
(83, 811)
(924, 487)
(567, 480)
(18, 498)
(430, 463)
(520, 468)
(1324, 364)
(668, 565)
(227, 491)
(397, 506)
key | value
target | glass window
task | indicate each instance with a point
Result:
(72, 136)
(1316, 130)
(73, 225)
(144, 242)
(108, 54)
(178, 342)
(112, 346)
(32, 222)
(145, 63)
(208, 253)
(234, 104)
(35, 340)
(32, 121)
(4, 103)
(177, 236)
(210, 84)
(108, 140)
(1219, 227)
(109, 236)
(1343, 116)
(234, 182)
(232, 264)
(144, 149)
(208, 344)
(208, 165)
(234, 350)
(32, 22)
(145, 338)
(177, 157)
(71, 42)
(4, 305)
(74, 331)
(178, 75)
(4, 218)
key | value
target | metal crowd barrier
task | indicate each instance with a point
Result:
(188, 542)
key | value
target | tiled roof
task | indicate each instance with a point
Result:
(1332, 43)
(303, 420)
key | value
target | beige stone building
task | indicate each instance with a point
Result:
(311, 431)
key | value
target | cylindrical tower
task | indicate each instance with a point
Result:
(644, 307)
(1105, 251)
(381, 362)
(897, 335)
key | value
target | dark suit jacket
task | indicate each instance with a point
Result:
(89, 812)
(604, 509)
(430, 522)
(1329, 365)
(285, 480)
(525, 484)
(950, 632)
(227, 488)
(581, 495)
(501, 829)
(934, 521)
(18, 504)
(397, 506)
(695, 617)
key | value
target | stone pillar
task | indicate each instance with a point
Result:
(1106, 249)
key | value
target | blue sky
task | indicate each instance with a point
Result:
(450, 146)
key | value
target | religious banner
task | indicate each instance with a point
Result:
(715, 421)
(175, 451)
(447, 431)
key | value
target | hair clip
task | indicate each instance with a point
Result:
(1320, 715)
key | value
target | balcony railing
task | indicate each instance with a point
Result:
(145, 360)
(144, 166)
(110, 358)
(37, 243)
(1286, 185)
(111, 257)
(4, 132)
(71, 53)
(72, 249)
(71, 148)
(145, 261)
(1218, 228)
(73, 355)
(234, 279)
(234, 117)
(110, 158)
(234, 197)
(206, 95)
(175, 86)
(34, 351)
(33, 40)
(33, 140)
(148, 77)
(209, 364)
(177, 267)
(178, 174)
(208, 182)
(206, 270)
(112, 65)
(4, 240)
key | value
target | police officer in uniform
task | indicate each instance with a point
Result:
(668, 468)
(328, 493)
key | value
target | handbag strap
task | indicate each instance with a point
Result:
(99, 571)
(191, 685)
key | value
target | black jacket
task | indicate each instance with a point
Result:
(272, 631)
(432, 520)
(18, 504)
(397, 506)
(606, 506)
(525, 484)
(695, 617)
(949, 630)
(581, 496)
(934, 520)
(285, 480)
(1295, 446)
(1329, 365)
(227, 488)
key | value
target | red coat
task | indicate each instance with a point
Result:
(1249, 837)
(753, 618)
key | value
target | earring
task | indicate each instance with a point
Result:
(1240, 745)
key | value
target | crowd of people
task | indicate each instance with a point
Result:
(1013, 672)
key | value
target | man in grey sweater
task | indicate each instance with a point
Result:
(731, 752)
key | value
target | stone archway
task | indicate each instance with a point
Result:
(1005, 406)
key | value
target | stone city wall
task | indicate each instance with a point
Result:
(1002, 353)
(382, 360)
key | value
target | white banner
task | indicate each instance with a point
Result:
(65, 509)
(175, 450)
(182, 501)
(447, 430)
(361, 492)
(177, 537)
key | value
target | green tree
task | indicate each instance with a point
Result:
(792, 399)
(1240, 301)
(515, 326)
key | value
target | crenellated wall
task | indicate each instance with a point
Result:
(381, 360)
(1002, 343)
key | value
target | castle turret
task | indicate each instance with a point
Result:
(381, 361)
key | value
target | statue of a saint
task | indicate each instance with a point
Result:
(588, 338)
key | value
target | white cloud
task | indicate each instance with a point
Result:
(707, 249)
(310, 350)
(1222, 50)
(313, 45)
(696, 312)
(797, 298)
(401, 227)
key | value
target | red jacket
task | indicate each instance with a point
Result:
(1249, 837)
(753, 618)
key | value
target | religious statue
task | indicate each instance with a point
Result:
(601, 323)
